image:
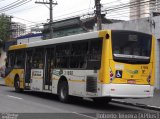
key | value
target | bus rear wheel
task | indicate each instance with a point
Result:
(63, 92)
(17, 84)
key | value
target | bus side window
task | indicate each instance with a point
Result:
(62, 55)
(19, 59)
(38, 59)
(94, 56)
(95, 49)
(79, 51)
(11, 59)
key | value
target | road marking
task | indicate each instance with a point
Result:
(84, 115)
(153, 106)
(137, 105)
(14, 97)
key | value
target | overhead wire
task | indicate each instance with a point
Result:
(14, 5)
(11, 4)
(118, 10)
(128, 6)
(135, 10)
(21, 10)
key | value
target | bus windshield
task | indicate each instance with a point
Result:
(131, 47)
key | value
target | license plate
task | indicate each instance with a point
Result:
(131, 82)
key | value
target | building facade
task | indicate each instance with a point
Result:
(143, 8)
(17, 29)
(73, 26)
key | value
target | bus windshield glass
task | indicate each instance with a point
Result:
(131, 47)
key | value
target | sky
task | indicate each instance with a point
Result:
(32, 13)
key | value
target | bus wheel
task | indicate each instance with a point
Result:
(103, 101)
(17, 84)
(63, 92)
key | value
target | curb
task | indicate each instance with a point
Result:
(138, 105)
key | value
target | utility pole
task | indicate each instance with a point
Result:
(98, 14)
(51, 3)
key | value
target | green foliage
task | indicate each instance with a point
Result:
(5, 24)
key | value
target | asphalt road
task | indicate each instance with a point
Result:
(46, 106)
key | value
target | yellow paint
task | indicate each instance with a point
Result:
(80, 81)
(15, 47)
(9, 80)
(103, 73)
(107, 62)
(55, 78)
(153, 62)
(37, 78)
(128, 73)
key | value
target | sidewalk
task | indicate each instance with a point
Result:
(155, 101)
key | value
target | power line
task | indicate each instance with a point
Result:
(24, 19)
(21, 10)
(118, 9)
(98, 14)
(51, 3)
(122, 6)
(134, 11)
(131, 6)
(13, 5)
(111, 8)
(115, 9)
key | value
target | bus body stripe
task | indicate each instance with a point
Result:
(15, 47)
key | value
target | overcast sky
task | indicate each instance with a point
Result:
(40, 13)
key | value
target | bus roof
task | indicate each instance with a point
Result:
(77, 37)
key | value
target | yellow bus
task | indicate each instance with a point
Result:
(100, 65)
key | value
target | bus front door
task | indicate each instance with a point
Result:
(47, 83)
(28, 64)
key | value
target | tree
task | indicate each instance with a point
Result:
(5, 24)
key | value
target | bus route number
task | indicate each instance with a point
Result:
(68, 72)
